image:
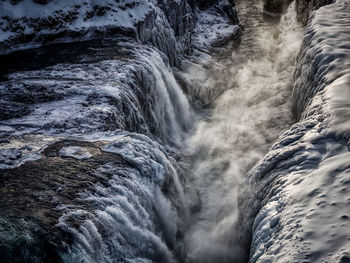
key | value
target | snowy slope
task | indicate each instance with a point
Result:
(302, 183)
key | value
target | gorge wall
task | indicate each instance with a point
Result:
(93, 123)
(304, 8)
(302, 182)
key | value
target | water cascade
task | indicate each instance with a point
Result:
(154, 131)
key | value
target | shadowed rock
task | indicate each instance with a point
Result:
(275, 7)
(32, 194)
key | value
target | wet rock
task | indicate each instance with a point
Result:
(203, 4)
(276, 7)
(304, 8)
(29, 201)
(28, 147)
(42, 2)
(9, 110)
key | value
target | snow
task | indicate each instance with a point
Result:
(75, 152)
(28, 17)
(213, 29)
(144, 154)
(15, 151)
(105, 96)
(303, 182)
(131, 216)
(132, 104)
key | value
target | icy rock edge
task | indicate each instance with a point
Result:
(167, 25)
(302, 184)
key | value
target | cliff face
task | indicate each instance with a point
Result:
(302, 182)
(305, 7)
(27, 24)
(275, 7)
(167, 25)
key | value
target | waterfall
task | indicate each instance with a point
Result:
(133, 219)
(102, 158)
(130, 108)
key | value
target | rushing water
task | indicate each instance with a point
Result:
(253, 110)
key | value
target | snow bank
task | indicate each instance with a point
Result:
(75, 152)
(302, 184)
(213, 30)
(306, 7)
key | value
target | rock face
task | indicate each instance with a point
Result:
(305, 7)
(167, 25)
(69, 21)
(275, 7)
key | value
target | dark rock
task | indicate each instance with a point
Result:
(304, 7)
(9, 110)
(204, 4)
(42, 2)
(28, 214)
(275, 7)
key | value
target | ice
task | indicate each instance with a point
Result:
(144, 154)
(102, 96)
(304, 178)
(134, 105)
(15, 152)
(75, 152)
(87, 18)
(213, 29)
(131, 212)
